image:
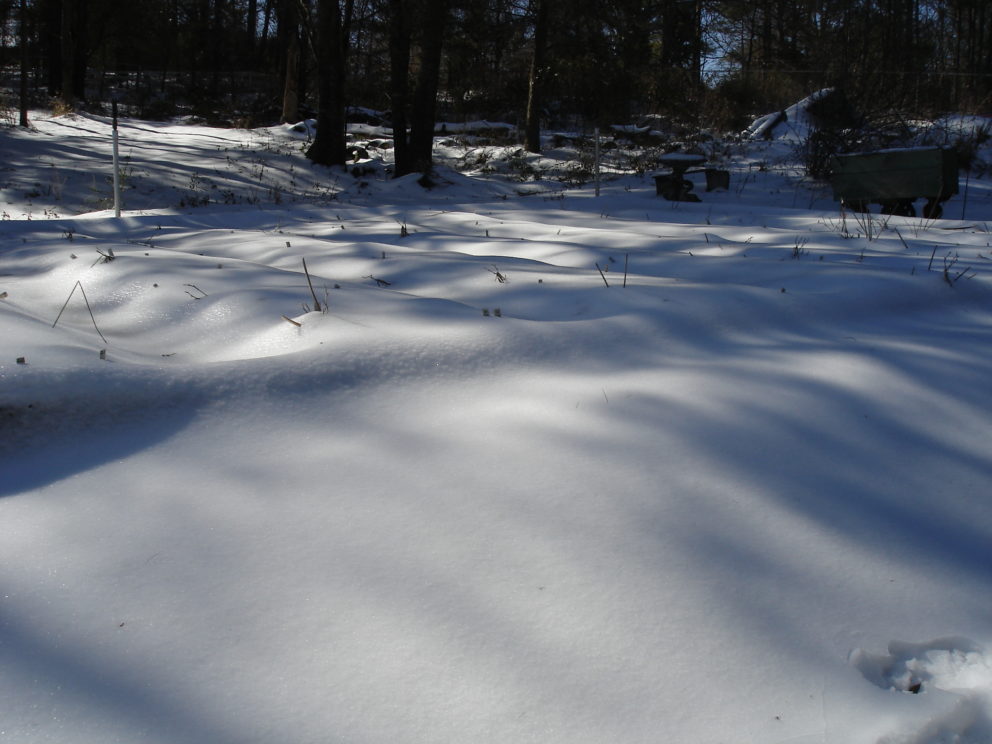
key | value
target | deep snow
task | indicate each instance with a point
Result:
(486, 498)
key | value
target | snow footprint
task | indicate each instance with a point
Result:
(955, 665)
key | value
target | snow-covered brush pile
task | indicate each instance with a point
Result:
(823, 124)
(308, 455)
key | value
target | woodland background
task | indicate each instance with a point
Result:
(687, 64)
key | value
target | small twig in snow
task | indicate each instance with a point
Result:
(104, 257)
(602, 274)
(904, 244)
(316, 302)
(88, 308)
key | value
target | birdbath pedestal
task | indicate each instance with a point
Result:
(675, 186)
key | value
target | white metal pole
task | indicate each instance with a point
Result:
(596, 168)
(117, 169)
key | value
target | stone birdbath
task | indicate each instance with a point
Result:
(675, 186)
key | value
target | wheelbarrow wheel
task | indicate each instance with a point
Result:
(933, 210)
(899, 208)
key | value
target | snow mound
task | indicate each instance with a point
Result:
(793, 124)
(584, 466)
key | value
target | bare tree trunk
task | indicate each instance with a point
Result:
(697, 47)
(289, 42)
(24, 65)
(424, 104)
(329, 147)
(290, 91)
(532, 128)
(399, 66)
(68, 49)
(267, 19)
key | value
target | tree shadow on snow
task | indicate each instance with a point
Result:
(42, 443)
(129, 696)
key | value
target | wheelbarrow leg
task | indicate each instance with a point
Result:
(933, 209)
(899, 207)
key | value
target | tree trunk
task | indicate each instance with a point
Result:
(697, 48)
(328, 146)
(67, 71)
(251, 24)
(424, 104)
(24, 65)
(81, 52)
(71, 59)
(287, 43)
(266, 19)
(532, 128)
(218, 45)
(399, 66)
(290, 91)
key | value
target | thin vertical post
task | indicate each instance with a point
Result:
(117, 169)
(23, 120)
(596, 166)
(964, 198)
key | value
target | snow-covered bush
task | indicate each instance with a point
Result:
(970, 137)
(8, 113)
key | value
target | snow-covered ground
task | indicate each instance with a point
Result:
(541, 468)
